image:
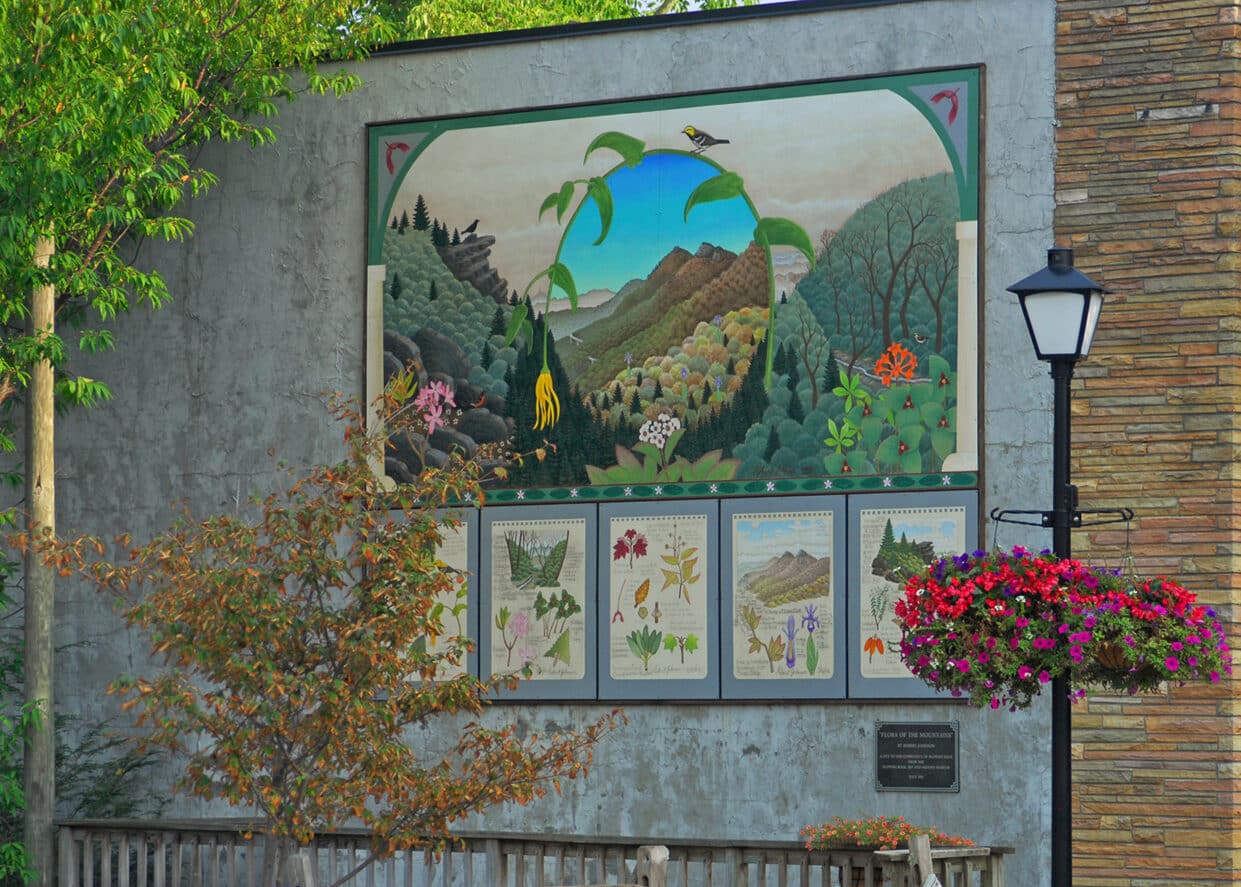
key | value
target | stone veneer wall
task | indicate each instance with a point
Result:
(1148, 174)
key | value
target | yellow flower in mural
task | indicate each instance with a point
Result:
(546, 403)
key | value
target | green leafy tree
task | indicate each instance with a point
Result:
(105, 107)
(445, 18)
(294, 631)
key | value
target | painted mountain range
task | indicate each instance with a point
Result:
(788, 578)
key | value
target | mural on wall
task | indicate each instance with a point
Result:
(538, 598)
(453, 606)
(659, 625)
(782, 595)
(895, 542)
(754, 292)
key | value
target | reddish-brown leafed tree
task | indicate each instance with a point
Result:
(297, 639)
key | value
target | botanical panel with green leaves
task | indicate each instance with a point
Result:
(658, 611)
(890, 539)
(537, 572)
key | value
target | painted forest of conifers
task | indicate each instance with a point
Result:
(863, 374)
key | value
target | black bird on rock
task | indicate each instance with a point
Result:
(471, 229)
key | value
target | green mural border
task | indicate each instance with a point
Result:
(917, 88)
(379, 206)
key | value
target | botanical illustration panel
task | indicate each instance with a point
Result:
(538, 568)
(659, 587)
(783, 618)
(893, 537)
(671, 298)
(457, 609)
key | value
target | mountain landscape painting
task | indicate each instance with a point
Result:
(754, 292)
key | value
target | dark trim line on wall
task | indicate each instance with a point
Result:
(672, 20)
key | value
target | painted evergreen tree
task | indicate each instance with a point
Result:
(498, 324)
(779, 361)
(795, 410)
(422, 220)
(434, 292)
(773, 445)
(887, 543)
(397, 287)
(404, 224)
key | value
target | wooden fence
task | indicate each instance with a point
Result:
(218, 853)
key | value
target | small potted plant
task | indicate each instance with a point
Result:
(996, 627)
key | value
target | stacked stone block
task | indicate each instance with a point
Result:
(1148, 193)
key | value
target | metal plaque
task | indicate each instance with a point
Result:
(917, 757)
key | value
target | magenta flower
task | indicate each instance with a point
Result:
(1024, 672)
(1044, 677)
(1172, 663)
(521, 625)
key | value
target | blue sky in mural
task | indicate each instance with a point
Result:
(648, 221)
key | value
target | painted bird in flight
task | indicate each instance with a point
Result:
(702, 140)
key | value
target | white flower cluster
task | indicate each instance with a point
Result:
(657, 431)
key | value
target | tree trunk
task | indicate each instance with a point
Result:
(39, 776)
(286, 864)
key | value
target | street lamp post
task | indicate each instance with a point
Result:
(1061, 307)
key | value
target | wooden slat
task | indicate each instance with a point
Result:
(208, 854)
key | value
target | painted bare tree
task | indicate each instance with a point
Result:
(897, 224)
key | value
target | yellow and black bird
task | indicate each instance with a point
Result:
(702, 140)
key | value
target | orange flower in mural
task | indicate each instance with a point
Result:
(897, 362)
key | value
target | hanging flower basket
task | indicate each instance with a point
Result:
(997, 627)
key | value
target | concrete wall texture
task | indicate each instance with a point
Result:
(268, 313)
(1148, 97)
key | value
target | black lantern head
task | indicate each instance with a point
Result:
(1061, 306)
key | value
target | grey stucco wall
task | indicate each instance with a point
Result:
(268, 313)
